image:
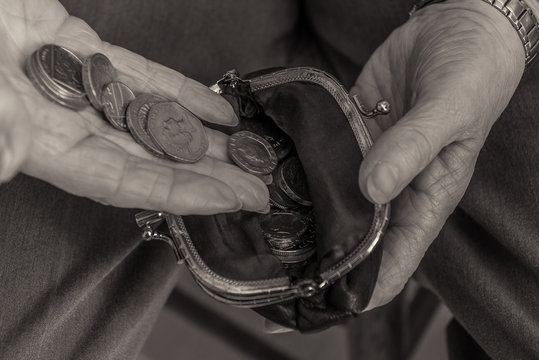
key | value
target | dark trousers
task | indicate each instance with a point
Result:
(77, 282)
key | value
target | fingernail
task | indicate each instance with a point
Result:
(266, 210)
(232, 205)
(382, 182)
(217, 105)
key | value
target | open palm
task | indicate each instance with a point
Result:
(80, 153)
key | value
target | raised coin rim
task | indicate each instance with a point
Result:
(139, 130)
(238, 160)
(62, 85)
(286, 188)
(94, 90)
(204, 143)
(116, 124)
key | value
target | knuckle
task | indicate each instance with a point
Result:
(415, 146)
(450, 176)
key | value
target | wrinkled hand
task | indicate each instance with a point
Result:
(80, 153)
(448, 72)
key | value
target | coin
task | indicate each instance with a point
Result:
(283, 224)
(292, 180)
(137, 122)
(282, 244)
(50, 89)
(279, 199)
(178, 132)
(279, 141)
(298, 253)
(252, 153)
(62, 66)
(97, 72)
(115, 99)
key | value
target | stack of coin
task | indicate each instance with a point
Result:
(283, 229)
(56, 74)
(252, 153)
(279, 141)
(289, 235)
(163, 128)
(289, 229)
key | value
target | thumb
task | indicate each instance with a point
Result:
(406, 148)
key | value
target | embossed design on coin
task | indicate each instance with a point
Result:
(297, 253)
(115, 99)
(292, 181)
(279, 141)
(97, 72)
(252, 153)
(283, 229)
(62, 66)
(279, 199)
(137, 122)
(53, 90)
(178, 132)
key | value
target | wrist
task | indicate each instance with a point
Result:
(519, 14)
(478, 23)
(467, 37)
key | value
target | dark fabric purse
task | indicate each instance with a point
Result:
(227, 254)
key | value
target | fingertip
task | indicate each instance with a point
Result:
(206, 104)
(256, 198)
(381, 184)
(201, 195)
(222, 113)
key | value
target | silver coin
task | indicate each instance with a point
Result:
(282, 244)
(52, 86)
(178, 132)
(137, 122)
(292, 180)
(51, 90)
(300, 252)
(279, 199)
(279, 141)
(115, 99)
(63, 67)
(252, 153)
(97, 72)
(283, 224)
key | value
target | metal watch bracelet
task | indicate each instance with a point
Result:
(520, 16)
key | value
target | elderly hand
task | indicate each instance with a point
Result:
(80, 153)
(449, 72)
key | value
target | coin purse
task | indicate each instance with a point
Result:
(227, 254)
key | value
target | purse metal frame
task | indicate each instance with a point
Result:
(256, 293)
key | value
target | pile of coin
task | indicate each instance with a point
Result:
(167, 130)
(163, 128)
(262, 149)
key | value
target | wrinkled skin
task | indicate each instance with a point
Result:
(449, 72)
(81, 154)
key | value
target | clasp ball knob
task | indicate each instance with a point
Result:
(383, 107)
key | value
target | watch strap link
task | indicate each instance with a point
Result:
(520, 16)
